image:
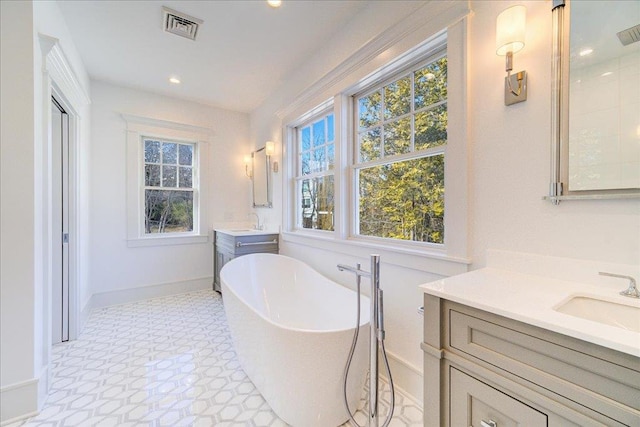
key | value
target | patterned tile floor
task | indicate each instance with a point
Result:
(163, 362)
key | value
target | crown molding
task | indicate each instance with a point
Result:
(56, 65)
(438, 12)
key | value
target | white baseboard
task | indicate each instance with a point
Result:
(124, 296)
(84, 314)
(407, 378)
(19, 401)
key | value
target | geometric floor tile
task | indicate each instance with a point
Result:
(164, 362)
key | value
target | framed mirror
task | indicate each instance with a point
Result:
(260, 178)
(595, 100)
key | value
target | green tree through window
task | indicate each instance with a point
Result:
(168, 186)
(402, 134)
(316, 160)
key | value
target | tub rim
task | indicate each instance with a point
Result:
(364, 300)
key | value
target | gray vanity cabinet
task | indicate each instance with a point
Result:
(485, 370)
(229, 245)
(474, 403)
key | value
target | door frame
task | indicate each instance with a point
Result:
(60, 216)
(55, 91)
(60, 81)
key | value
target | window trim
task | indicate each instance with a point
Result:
(291, 155)
(450, 28)
(194, 189)
(299, 177)
(436, 51)
(139, 128)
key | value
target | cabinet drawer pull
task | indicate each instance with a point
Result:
(271, 242)
(489, 423)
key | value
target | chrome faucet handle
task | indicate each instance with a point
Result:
(257, 225)
(632, 291)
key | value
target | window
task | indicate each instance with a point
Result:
(166, 182)
(169, 187)
(400, 179)
(315, 143)
(401, 136)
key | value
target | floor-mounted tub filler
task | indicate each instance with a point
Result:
(376, 342)
(291, 329)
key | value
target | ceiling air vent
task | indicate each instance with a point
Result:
(180, 24)
(630, 35)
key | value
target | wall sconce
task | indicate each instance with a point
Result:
(510, 29)
(270, 149)
(247, 162)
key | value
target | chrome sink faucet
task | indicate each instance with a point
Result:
(257, 226)
(631, 291)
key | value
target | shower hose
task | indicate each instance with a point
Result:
(386, 364)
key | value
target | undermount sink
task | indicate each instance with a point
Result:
(622, 315)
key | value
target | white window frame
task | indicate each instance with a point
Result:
(437, 51)
(448, 258)
(139, 129)
(297, 175)
(195, 185)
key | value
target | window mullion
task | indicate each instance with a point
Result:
(169, 188)
(382, 122)
(161, 163)
(431, 106)
(430, 152)
(412, 143)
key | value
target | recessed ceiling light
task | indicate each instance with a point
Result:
(586, 51)
(274, 3)
(174, 80)
(608, 73)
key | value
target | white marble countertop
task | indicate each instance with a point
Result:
(244, 231)
(531, 299)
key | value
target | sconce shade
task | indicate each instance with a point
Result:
(247, 159)
(510, 29)
(270, 148)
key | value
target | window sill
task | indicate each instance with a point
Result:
(167, 240)
(422, 259)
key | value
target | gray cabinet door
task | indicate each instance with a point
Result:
(476, 404)
(218, 262)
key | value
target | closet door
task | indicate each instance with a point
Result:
(60, 222)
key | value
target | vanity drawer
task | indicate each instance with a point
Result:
(248, 244)
(550, 360)
(267, 243)
(476, 404)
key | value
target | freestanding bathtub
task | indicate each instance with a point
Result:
(292, 330)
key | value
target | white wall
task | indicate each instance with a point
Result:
(25, 255)
(509, 158)
(118, 269)
(17, 194)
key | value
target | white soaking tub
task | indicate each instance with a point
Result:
(292, 329)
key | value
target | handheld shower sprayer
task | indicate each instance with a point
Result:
(376, 340)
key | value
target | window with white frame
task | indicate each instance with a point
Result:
(166, 182)
(400, 170)
(314, 177)
(170, 190)
(400, 135)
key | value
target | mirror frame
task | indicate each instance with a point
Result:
(269, 203)
(559, 180)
